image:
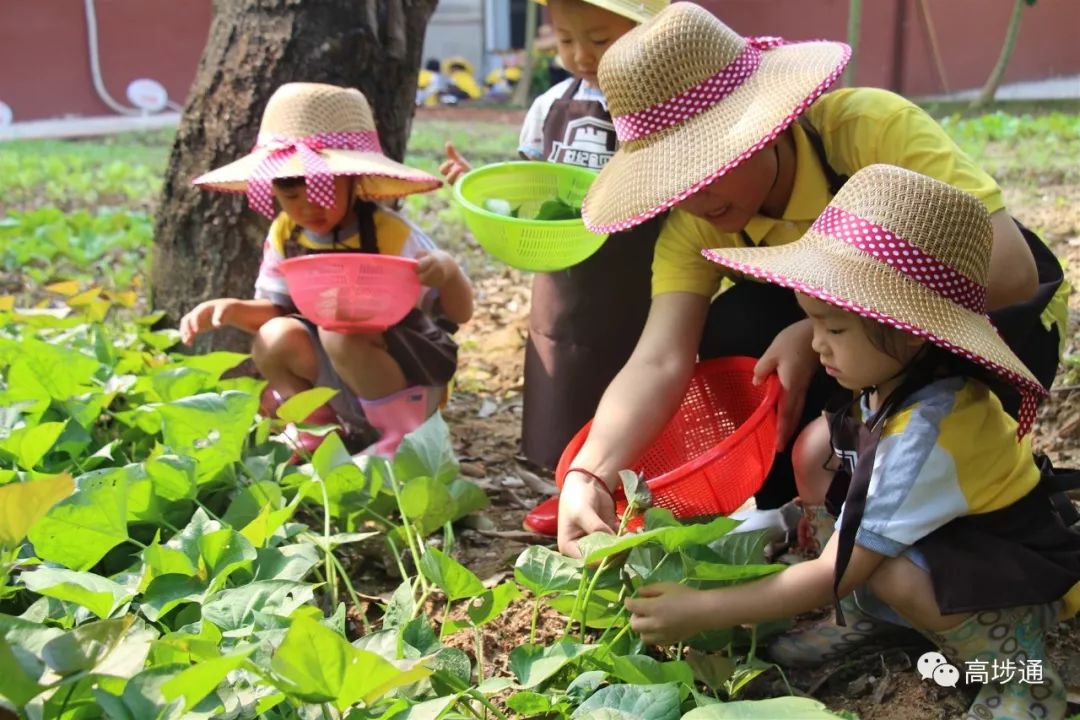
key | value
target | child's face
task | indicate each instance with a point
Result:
(583, 33)
(294, 202)
(734, 198)
(848, 353)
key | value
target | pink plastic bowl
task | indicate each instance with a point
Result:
(352, 292)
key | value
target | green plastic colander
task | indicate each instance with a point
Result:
(537, 245)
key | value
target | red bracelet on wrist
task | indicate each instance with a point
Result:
(592, 476)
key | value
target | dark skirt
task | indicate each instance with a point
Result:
(1019, 555)
(424, 350)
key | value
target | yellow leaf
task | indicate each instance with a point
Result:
(24, 503)
(98, 310)
(66, 288)
(84, 298)
(7, 303)
(127, 299)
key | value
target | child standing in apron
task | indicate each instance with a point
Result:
(946, 523)
(584, 321)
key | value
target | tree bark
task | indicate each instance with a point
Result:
(208, 244)
(989, 90)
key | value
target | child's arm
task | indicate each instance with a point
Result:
(247, 315)
(437, 269)
(667, 612)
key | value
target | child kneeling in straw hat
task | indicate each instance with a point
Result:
(584, 321)
(318, 155)
(944, 523)
(739, 140)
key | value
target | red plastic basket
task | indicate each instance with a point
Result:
(716, 450)
(352, 292)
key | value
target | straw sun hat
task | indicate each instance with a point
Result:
(317, 132)
(905, 250)
(640, 11)
(691, 99)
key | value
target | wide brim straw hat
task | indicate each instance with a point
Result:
(908, 251)
(637, 11)
(317, 132)
(691, 99)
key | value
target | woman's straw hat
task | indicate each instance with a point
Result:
(636, 11)
(691, 99)
(905, 250)
(317, 132)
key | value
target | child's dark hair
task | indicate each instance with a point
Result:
(289, 182)
(929, 363)
(432, 65)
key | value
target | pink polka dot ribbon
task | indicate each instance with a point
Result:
(319, 178)
(884, 246)
(695, 100)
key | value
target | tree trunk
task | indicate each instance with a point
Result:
(524, 86)
(208, 244)
(854, 27)
(986, 96)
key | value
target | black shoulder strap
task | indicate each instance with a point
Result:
(836, 180)
(1059, 482)
(365, 218)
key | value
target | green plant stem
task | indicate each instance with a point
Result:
(479, 696)
(331, 574)
(577, 602)
(210, 513)
(753, 644)
(623, 522)
(535, 617)
(588, 595)
(479, 656)
(415, 547)
(619, 635)
(397, 558)
(352, 592)
(445, 617)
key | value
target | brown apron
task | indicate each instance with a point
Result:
(585, 320)
(1024, 554)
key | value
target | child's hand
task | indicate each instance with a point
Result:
(208, 315)
(666, 613)
(435, 268)
(455, 166)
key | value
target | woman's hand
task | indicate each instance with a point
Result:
(455, 165)
(584, 508)
(666, 613)
(208, 315)
(794, 361)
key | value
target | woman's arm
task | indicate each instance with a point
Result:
(1014, 277)
(633, 411)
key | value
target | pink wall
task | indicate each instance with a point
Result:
(44, 56)
(43, 47)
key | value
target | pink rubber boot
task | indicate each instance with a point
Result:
(307, 442)
(397, 415)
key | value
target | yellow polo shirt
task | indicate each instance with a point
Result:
(859, 127)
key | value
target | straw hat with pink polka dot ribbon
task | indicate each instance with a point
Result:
(908, 251)
(691, 99)
(317, 132)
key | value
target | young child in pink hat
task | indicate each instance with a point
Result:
(946, 523)
(318, 156)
